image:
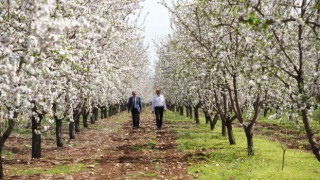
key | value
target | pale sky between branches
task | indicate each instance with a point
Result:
(157, 24)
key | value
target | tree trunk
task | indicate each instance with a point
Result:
(72, 133)
(115, 109)
(315, 146)
(265, 113)
(187, 111)
(1, 117)
(191, 114)
(168, 105)
(249, 135)
(224, 115)
(232, 141)
(125, 106)
(214, 121)
(207, 116)
(209, 119)
(223, 127)
(36, 137)
(102, 112)
(76, 118)
(1, 160)
(105, 112)
(196, 115)
(85, 115)
(96, 113)
(181, 110)
(113, 112)
(58, 123)
(4, 137)
(110, 111)
(59, 132)
(118, 108)
(1, 166)
(92, 119)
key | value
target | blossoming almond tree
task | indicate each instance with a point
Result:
(58, 56)
(291, 37)
(267, 53)
(230, 62)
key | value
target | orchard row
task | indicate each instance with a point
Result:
(238, 58)
(60, 59)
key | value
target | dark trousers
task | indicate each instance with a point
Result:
(135, 117)
(159, 114)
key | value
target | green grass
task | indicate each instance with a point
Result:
(142, 175)
(316, 114)
(24, 132)
(295, 125)
(120, 118)
(148, 174)
(7, 155)
(75, 144)
(174, 118)
(60, 169)
(154, 160)
(220, 160)
(149, 145)
(157, 167)
(97, 127)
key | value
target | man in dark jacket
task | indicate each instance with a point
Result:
(134, 104)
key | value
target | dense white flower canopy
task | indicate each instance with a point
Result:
(69, 53)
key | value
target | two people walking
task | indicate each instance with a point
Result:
(158, 107)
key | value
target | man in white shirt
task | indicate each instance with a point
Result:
(158, 106)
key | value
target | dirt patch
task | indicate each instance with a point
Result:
(144, 153)
(112, 150)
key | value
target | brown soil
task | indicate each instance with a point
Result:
(112, 151)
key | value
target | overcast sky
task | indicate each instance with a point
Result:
(157, 24)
